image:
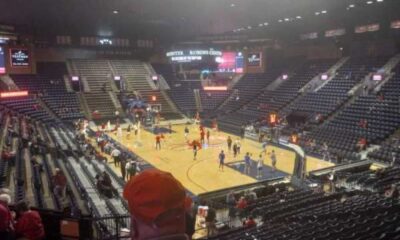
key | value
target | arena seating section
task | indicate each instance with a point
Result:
(307, 215)
(99, 76)
(49, 83)
(181, 92)
(343, 131)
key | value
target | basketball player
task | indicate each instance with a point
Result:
(260, 165)
(208, 136)
(229, 142)
(273, 159)
(247, 163)
(158, 142)
(108, 126)
(221, 160)
(186, 132)
(238, 145)
(119, 132)
(202, 136)
(234, 148)
(195, 147)
(128, 132)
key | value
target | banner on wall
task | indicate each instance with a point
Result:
(2, 62)
(254, 59)
(19, 57)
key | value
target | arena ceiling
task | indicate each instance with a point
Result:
(183, 18)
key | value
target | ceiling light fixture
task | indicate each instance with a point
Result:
(115, 11)
(370, 2)
(317, 13)
(379, 0)
(298, 17)
(265, 24)
(351, 5)
(324, 11)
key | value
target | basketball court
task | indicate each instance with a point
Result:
(203, 175)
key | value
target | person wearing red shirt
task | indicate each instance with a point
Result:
(29, 223)
(158, 142)
(6, 227)
(242, 203)
(362, 143)
(202, 136)
(60, 182)
(249, 222)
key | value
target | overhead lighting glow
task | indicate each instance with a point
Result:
(115, 11)
(370, 2)
(13, 94)
(260, 25)
(287, 19)
(280, 20)
(351, 5)
(248, 27)
(218, 88)
(379, 0)
(324, 11)
(265, 24)
(317, 13)
(298, 17)
(233, 5)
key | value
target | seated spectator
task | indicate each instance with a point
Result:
(249, 222)
(28, 223)
(60, 183)
(104, 186)
(392, 192)
(362, 144)
(6, 219)
(157, 205)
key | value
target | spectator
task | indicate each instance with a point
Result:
(249, 222)
(116, 154)
(242, 203)
(123, 165)
(230, 199)
(210, 222)
(157, 205)
(131, 168)
(190, 217)
(60, 182)
(104, 185)
(29, 223)
(6, 221)
(392, 192)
